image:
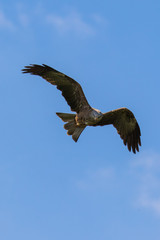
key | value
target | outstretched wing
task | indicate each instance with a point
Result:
(127, 127)
(71, 90)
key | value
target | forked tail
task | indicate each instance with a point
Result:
(70, 126)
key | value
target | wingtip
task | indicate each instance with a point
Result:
(36, 69)
(27, 69)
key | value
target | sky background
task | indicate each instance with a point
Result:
(50, 186)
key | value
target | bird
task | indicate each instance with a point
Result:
(85, 115)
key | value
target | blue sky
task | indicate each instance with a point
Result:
(51, 187)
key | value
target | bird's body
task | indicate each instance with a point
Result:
(122, 119)
(90, 118)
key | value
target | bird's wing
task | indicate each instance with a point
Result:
(71, 90)
(127, 127)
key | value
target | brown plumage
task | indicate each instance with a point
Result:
(122, 119)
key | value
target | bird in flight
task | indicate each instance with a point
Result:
(122, 119)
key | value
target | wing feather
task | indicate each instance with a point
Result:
(127, 127)
(71, 90)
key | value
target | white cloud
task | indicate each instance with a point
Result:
(148, 168)
(5, 22)
(71, 23)
(98, 179)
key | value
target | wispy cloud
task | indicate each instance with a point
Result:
(24, 19)
(149, 202)
(97, 179)
(148, 167)
(72, 23)
(99, 19)
(5, 23)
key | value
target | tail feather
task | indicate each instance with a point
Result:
(66, 116)
(70, 131)
(70, 126)
(77, 133)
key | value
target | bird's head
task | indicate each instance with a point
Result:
(97, 115)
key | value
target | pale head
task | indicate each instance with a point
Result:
(97, 115)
